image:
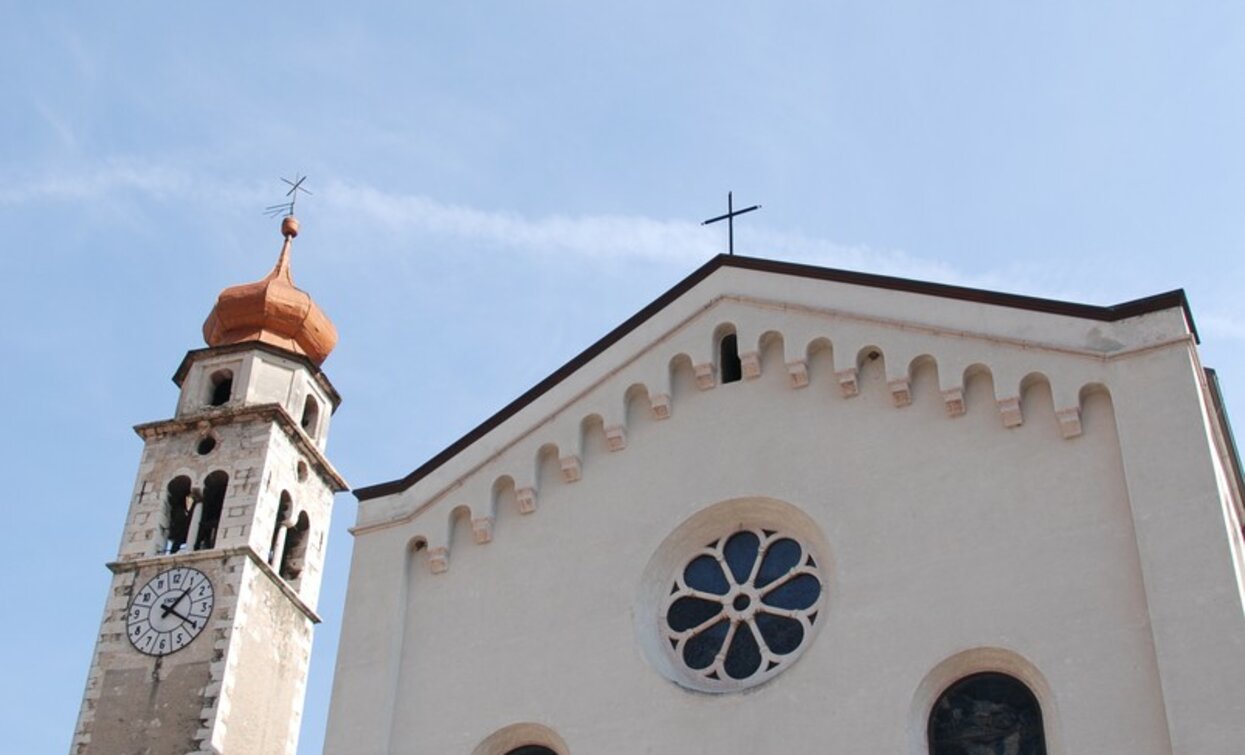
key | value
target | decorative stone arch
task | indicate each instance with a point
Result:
(978, 661)
(520, 735)
(219, 387)
(310, 420)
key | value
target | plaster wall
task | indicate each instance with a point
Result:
(944, 536)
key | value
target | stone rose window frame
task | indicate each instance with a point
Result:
(742, 608)
(696, 531)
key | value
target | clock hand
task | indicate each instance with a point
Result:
(179, 615)
(168, 607)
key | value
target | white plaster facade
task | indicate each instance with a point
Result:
(990, 484)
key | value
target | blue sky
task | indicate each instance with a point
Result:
(498, 184)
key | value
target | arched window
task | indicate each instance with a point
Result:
(178, 505)
(728, 358)
(222, 387)
(986, 713)
(311, 416)
(214, 487)
(293, 557)
(531, 750)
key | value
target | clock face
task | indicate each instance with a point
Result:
(169, 611)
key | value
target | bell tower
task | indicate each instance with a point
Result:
(206, 634)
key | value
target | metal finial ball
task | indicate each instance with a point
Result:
(289, 226)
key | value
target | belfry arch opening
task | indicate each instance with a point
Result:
(986, 712)
(179, 505)
(311, 416)
(285, 506)
(214, 486)
(294, 555)
(220, 387)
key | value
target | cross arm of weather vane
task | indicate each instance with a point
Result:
(287, 208)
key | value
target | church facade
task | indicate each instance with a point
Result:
(782, 509)
(787, 509)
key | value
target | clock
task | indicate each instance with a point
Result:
(169, 611)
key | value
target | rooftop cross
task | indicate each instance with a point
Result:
(729, 217)
(287, 208)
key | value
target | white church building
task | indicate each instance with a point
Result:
(782, 509)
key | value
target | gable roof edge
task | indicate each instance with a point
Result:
(1168, 300)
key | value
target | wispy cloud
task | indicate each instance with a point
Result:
(352, 207)
(604, 236)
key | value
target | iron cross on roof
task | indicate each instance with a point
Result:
(287, 208)
(729, 217)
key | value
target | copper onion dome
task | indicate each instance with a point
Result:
(272, 311)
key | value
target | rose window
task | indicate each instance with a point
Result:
(742, 607)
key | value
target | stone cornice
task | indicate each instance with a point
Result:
(170, 560)
(264, 412)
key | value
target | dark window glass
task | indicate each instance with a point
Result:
(704, 573)
(732, 369)
(701, 650)
(780, 557)
(688, 612)
(987, 713)
(782, 635)
(741, 554)
(797, 593)
(744, 656)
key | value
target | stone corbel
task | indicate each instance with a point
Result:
(616, 437)
(901, 391)
(526, 498)
(797, 369)
(953, 399)
(704, 375)
(661, 405)
(750, 363)
(571, 469)
(482, 529)
(439, 559)
(1009, 410)
(848, 384)
(1069, 421)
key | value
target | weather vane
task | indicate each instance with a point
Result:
(729, 217)
(287, 208)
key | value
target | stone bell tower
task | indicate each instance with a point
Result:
(206, 633)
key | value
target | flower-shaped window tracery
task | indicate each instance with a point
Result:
(741, 608)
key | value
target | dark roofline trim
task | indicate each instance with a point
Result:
(1158, 302)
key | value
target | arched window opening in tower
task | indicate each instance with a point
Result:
(178, 507)
(728, 358)
(279, 528)
(294, 555)
(222, 387)
(214, 487)
(987, 712)
(311, 416)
